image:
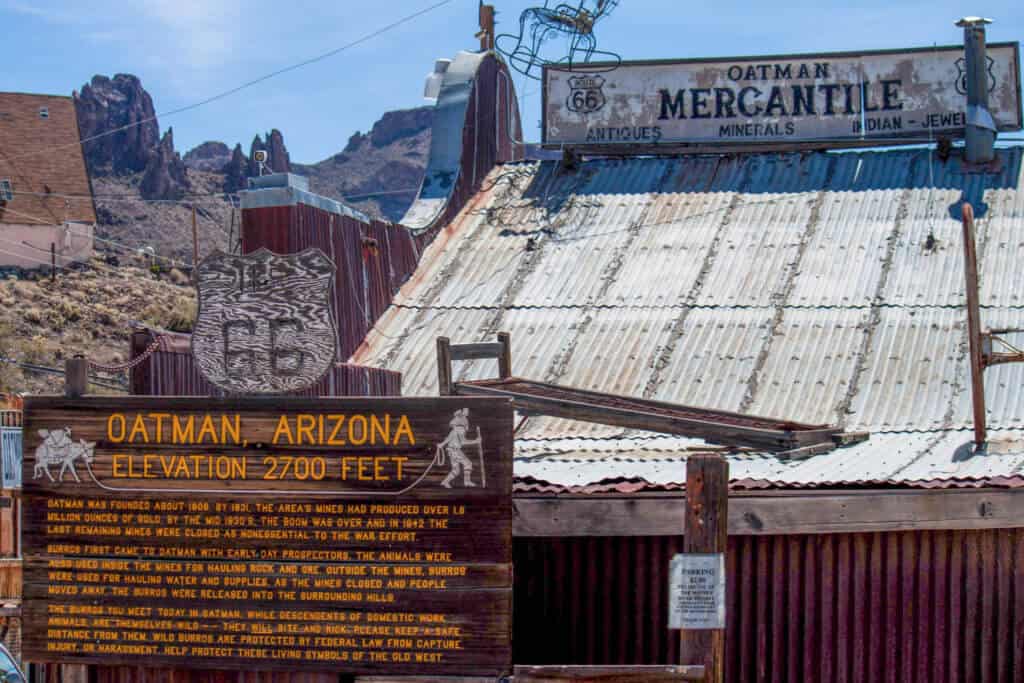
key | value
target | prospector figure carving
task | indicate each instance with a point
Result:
(452, 448)
(58, 449)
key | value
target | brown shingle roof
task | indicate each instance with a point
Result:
(41, 155)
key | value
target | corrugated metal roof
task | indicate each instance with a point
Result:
(819, 287)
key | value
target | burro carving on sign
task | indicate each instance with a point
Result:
(265, 322)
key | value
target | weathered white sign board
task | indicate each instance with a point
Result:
(833, 97)
(697, 591)
(264, 324)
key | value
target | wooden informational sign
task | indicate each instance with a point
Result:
(264, 324)
(345, 535)
(697, 591)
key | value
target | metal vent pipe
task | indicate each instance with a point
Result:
(981, 127)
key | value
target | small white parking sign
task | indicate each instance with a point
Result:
(697, 591)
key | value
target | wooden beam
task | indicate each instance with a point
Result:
(444, 366)
(476, 350)
(719, 433)
(608, 674)
(505, 357)
(706, 531)
(774, 513)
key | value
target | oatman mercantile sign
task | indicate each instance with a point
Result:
(348, 535)
(830, 97)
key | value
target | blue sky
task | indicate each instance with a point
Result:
(187, 50)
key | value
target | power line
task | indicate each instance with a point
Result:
(189, 199)
(248, 84)
(7, 209)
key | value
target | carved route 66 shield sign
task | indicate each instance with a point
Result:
(265, 324)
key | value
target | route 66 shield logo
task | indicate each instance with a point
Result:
(265, 323)
(585, 94)
(961, 76)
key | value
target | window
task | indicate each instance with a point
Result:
(6, 193)
(44, 112)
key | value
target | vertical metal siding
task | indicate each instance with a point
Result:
(367, 278)
(906, 607)
(171, 371)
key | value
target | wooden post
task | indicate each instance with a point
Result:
(444, 366)
(53, 261)
(76, 377)
(706, 531)
(505, 359)
(486, 32)
(195, 239)
(139, 377)
(974, 327)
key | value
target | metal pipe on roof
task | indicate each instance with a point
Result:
(981, 127)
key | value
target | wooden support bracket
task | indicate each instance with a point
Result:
(448, 352)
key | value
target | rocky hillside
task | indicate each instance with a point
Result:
(145, 188)
(390, 158)
(90, 311)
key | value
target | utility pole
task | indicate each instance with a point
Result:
(706, 532)
(486, 32)
(980, 135)
(974, 341)
(53, 262)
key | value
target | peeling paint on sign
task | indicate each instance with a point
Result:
(837, 97)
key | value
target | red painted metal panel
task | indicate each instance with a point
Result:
(928, 606)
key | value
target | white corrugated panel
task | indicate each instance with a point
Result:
(1001, 246)
(710, 364)
(927, 272)
(913, 371)
(670, 251)
(810, 365)
(843, 262)
(756, 250)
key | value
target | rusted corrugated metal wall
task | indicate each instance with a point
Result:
(171, 371)
(375, 258)
(900, 607)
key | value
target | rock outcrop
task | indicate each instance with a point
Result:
(236, 172)
(123, 106)
(165, 176)
(210, 156)
(396, 125)
(272, 142)
(378, 171)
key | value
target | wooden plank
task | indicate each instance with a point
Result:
(265, 534)
(706, 531)
(505, 358)
(477, 350)
(718, 433)
(608, 674)
(10, 579)
(787, 512)
(444, 366)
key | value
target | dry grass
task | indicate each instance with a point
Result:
(88, 312)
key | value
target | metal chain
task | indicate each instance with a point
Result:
(128, 365)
